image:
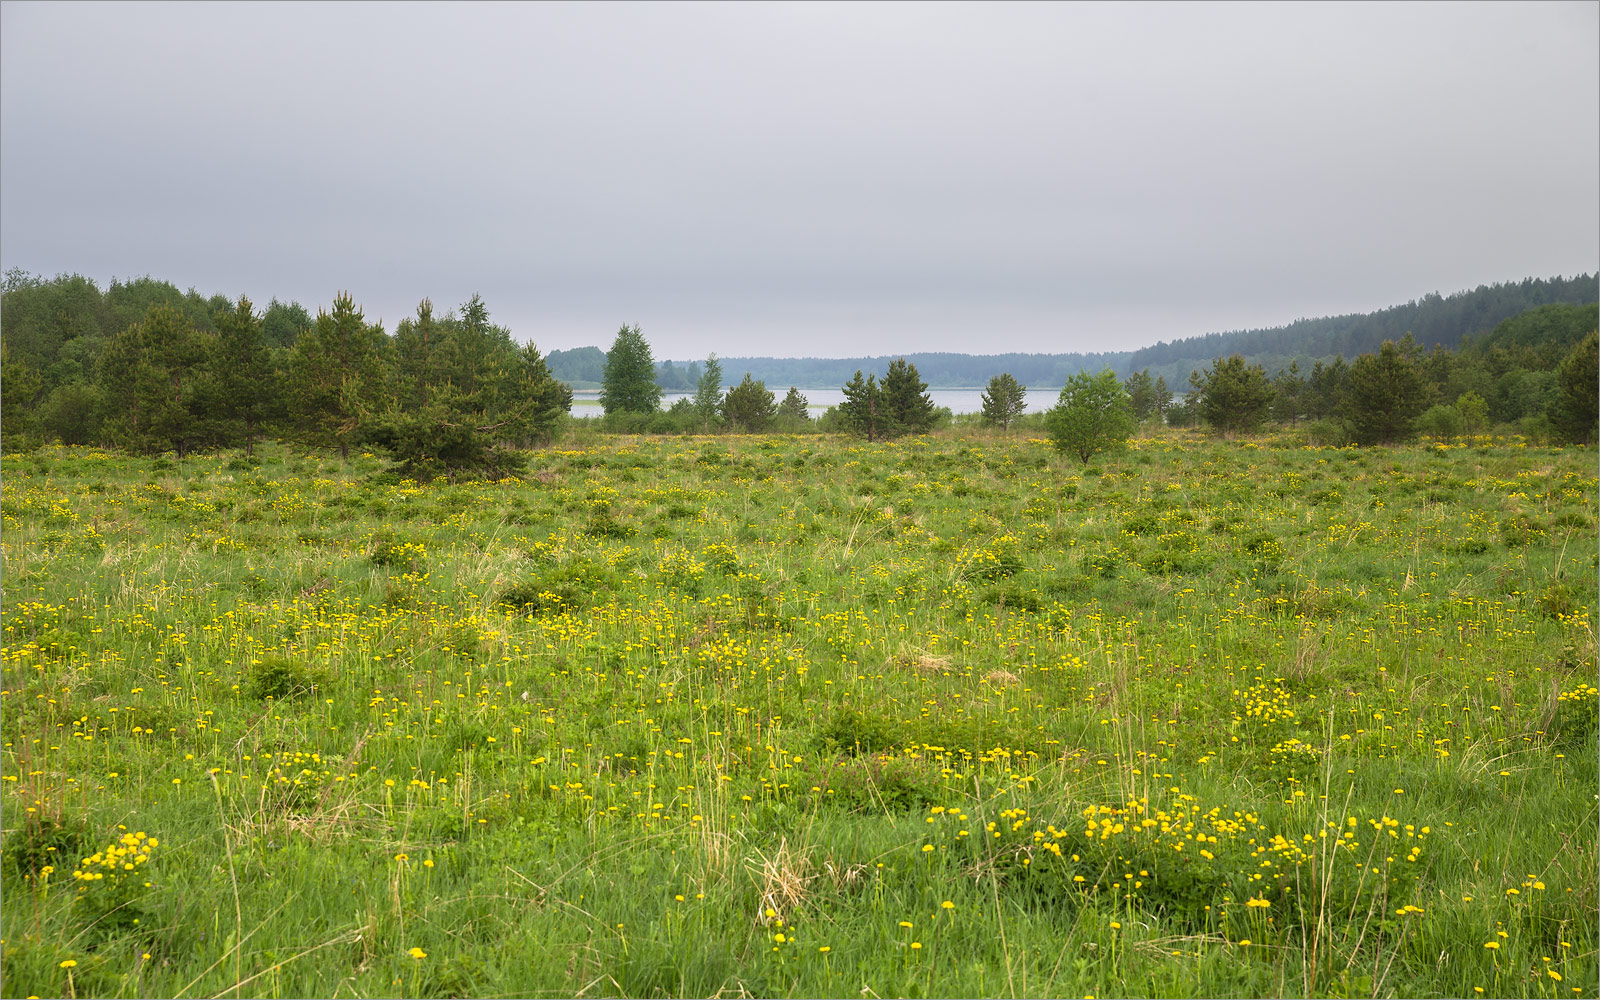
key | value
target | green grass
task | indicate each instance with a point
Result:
(804, 716)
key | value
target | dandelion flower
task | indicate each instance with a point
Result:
(418, 953)
(69, 963)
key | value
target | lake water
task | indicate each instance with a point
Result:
(959, 400)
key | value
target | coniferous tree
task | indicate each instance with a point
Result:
(416, 346)
(1141, 391)
(1289, 400)
(1386, 394)
(245, 382)
(468, 397)
(862, 411)
(153, 379)
(795, 405)
(794, 412)
(1163, 397)
(905, 396)
(1004, 400)
(1326, 388)
(1575, 411)
(539, 403)
(749, 406)
(629, 385)
(337, 375)
(1233, 397)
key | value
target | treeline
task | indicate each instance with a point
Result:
(1537, 372)
(631, 392)
(942, 369)
(145, 367)
(1432, 321)
(149, 369)
(1449, 321)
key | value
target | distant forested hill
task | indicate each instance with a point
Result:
(1434, 319)
(1431, 320)
(940, 370)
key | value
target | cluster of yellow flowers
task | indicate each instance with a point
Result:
(116, 863)
(1583, 692)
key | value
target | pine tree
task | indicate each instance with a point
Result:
(1004, 400)
(795, 407)
(540, 402)
(1289, 388)
(1386, 394)
(629, 385)
(1163, 397)
(469, 397)
(1574, 409)
(245, 378)
(337, 375)
(1233, 397)
(416, 348)
(862, 411)
(1141, 391)
(749, 406)
(152, 379)
(905, 397)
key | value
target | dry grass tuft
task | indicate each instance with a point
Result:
(785, 878)
(921, 662)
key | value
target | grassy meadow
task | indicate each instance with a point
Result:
(797, 716)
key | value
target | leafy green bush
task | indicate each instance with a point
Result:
(278, 678)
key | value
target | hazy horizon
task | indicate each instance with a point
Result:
(808, 180)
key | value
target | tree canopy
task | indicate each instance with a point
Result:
(1092, 414)
(1004, 400)
(629, 385)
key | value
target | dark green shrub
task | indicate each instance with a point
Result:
(279, 677)
(39, 843)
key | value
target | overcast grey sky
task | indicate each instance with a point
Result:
(809, 179)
